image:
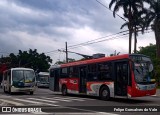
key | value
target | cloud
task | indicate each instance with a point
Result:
(47, 24)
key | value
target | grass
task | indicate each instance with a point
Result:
(158, 87)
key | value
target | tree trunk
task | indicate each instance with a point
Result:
(135, 40)
(130, 30)
(130, 40)
(157, 37)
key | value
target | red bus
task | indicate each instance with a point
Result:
(128, 75)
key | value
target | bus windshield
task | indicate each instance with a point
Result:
(43, 78)
(143, 69)
(23, 76)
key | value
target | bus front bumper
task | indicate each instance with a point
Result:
(25, 89)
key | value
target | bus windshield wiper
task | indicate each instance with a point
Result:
(21, 79)
(138, 71)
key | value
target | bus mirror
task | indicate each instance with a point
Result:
(150, 67)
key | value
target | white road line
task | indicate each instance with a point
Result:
(83, 113)
(12, 102)
(35, 102)
(68, 98)
(104, 113)
(50, 104)
(56, 99)
(74, 113)
(43, 100)
(24, 100)
(41, 113)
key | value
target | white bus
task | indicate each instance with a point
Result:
(19, 80)
(42, 79)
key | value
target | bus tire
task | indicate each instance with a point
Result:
(31, 93)
(64, 90)
(10, 91)
(104, 93)
(4, 89)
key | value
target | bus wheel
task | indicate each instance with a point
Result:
(64, 90)
(31, 93)
(104, 93)
(4, 90)
(10, 91)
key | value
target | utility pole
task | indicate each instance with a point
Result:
(66, 53)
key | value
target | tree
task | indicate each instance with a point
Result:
(137, 24)
(30, 59)
(129, 6)
(153, 18)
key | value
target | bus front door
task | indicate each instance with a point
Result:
(121, 76)
(82, 84)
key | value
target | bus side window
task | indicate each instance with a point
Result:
(104, 71)
(52, 73)
(73, 72)
(92, 72)
(9, 75)
(64, 73)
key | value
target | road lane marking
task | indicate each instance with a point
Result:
(57, 99)
(42, 100)
(83, 113)
(12, 102)
(105, 113)
(68, 98)
(28, 101)
(42, 113)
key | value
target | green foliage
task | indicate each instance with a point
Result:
(30, 59)
(151, 52)
(148, 50)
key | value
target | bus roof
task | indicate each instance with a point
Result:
(103, 59)
(21, 68)
(43, 73)
(98, 60)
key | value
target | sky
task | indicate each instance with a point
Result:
(46, 25)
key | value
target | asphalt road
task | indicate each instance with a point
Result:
(55, 103)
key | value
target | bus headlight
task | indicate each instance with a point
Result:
(137, 87)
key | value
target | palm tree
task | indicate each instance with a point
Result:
(153, 18)
(129, 6)
(137, 24)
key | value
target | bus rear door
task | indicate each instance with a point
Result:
(83, 75)
(54, 80)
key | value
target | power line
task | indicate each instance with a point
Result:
(88, 41)
(111, 10)
(98, 38)
(116, 37)
(101, 39)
